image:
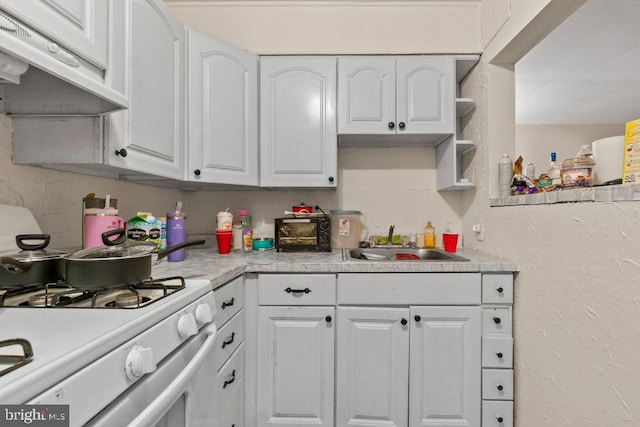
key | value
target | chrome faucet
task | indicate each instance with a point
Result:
(390, 237)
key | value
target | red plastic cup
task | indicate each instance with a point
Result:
(450, 242)
(224, 241)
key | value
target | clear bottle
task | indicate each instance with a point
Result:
(247, 231)
(554, 172)
(530, 171)
(429, 236)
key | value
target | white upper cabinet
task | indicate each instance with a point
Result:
(150, 136)
(79, 25)
(298, 135)
(404, 95)
(223, 112)
(367, 95)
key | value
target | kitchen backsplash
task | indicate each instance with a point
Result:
(389, 185)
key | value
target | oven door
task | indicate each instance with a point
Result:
(179, 393)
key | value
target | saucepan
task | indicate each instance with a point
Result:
(33, 265)
(118, 263)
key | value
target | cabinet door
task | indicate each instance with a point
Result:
(223, 112)
(372, 367)
(444, 384)
(367, 95)
(295, 366)
(79, 25)
(152, 131)
(425, 95)
(298, 135)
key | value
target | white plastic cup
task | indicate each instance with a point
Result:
(225, 220)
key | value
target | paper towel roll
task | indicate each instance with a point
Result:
(608, 154)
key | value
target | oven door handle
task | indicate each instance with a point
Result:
(168, 397)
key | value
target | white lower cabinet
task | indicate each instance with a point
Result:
(414, 366)
(295, 366)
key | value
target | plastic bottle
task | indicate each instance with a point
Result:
(530, 171)
(554, 171)
(247, 231)
(505, 176)
(429, 236)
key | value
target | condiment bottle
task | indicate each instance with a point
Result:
(429, 236)
(505, 176)
(247, 231)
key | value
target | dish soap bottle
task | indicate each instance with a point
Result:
(429, 236)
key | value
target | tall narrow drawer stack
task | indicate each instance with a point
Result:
(229, 353)
(497, 350)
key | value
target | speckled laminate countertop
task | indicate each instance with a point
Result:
(207, 263)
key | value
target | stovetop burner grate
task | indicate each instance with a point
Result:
(61, 295)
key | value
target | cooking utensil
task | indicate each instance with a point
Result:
(32, 265)
(118, 263)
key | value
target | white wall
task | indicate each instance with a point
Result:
(535, 142)
(55, 198)
(576, 296)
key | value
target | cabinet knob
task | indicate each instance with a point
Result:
(497, 320)
(391, 125)
(328, 319)
(330, 179)
(401, 125)
(196, 172)
(417, 318)
(499, 387)
(500, 419)
(122, 152)
(403, 321)
(500, 290)
(499, 355)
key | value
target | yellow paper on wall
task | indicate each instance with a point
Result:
(631, 170)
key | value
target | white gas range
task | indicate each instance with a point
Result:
(137, 355)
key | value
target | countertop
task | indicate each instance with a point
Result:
(219, 269)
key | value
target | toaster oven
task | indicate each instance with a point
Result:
(311, 234)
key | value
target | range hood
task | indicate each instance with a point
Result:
(39, 77)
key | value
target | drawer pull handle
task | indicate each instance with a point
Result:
(497, 320)
(328, 319)
(499, 355)
(500, 290)
(229, 341)
(229, 303)
(417, 318)
(297, 291)
(403, 321)
(499, 418)
(499, 386)
(233, 378)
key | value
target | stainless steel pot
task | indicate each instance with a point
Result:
(33, 265)
(118, 263)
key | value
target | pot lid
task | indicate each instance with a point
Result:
(129, 249)
(34, 251)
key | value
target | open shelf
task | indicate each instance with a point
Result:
(464, 106)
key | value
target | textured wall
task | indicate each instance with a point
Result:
(55, 198)
(577, 296)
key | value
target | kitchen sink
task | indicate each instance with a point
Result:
(404, 254)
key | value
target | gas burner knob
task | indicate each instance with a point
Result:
(187, 326)
(139, 362)
(203, 314)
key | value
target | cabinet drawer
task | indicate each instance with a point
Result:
(497, 352)
(297, 289)
(230, 336)
(497, 288)
(497, 384)
(229, 375)
(229, 299)
(496, 320)
(233, 411)
(409, 289)
(497, 414)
